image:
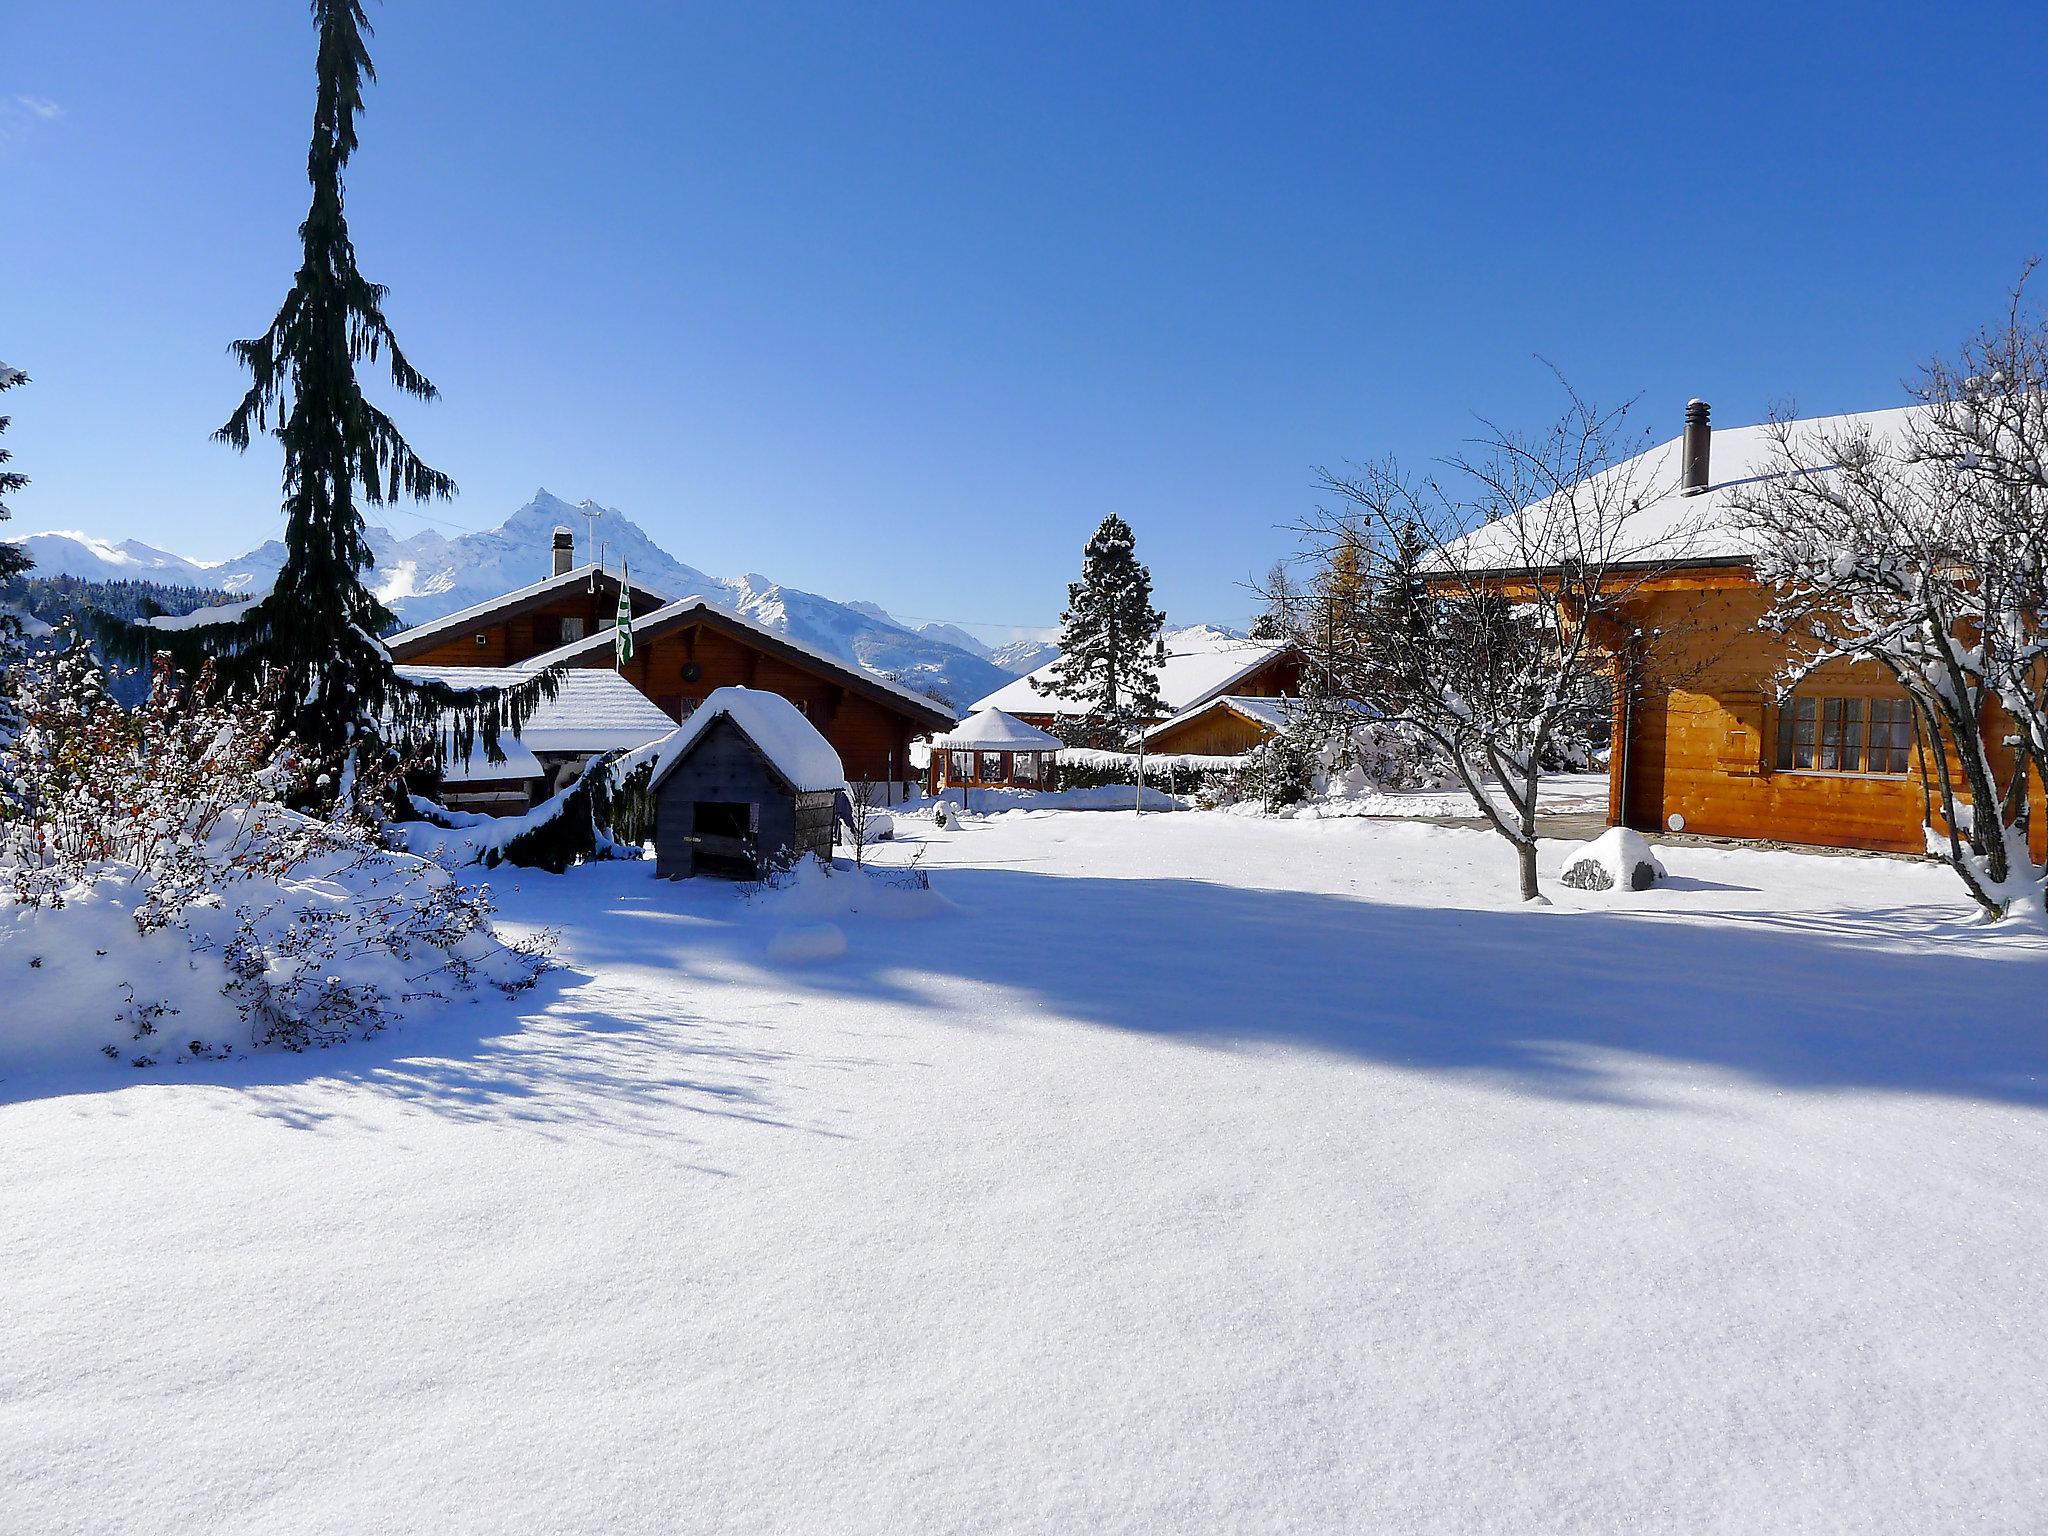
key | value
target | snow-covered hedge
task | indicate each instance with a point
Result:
(156, 900)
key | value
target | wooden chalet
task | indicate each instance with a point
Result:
(1701, 741)
(685, 650)
(682, 652)
(1201, 664)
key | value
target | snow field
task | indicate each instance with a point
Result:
(1186, 1172)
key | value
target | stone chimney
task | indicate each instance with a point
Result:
(1699, 449)
(565, 552)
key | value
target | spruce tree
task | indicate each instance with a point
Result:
(1109, 659)
(13, 558)
(310, 646)
(13, 561)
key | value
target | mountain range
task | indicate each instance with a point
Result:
(424, 575)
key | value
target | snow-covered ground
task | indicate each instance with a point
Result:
(1184, 1173)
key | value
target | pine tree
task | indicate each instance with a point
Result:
(13, 558)
(1109, 653)
(311, 644)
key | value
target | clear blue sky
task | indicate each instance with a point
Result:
(896, 302)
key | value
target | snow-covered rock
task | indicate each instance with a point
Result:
(1618, 859)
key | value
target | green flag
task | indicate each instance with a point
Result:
(622, 636)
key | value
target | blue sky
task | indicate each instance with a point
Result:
(896, 302)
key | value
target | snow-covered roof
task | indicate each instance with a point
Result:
(776, 727)
(1201, 662)
(682, 608)
(1668, 527)
(593, 710)
(32, 627)
(520, 763)
(990, 730)
(464, 618)
(203, 618)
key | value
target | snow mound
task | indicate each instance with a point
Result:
(343, 945)
(1618, 859)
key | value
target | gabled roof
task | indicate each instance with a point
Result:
(702, 610)
(1669, 528)
(1271, 713)
(592, 711)
(788, 742)
(493, 609)
(990, 730)
(1200, 663)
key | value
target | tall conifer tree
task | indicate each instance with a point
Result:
(311, 645)
(1108, 635)
(13, 558)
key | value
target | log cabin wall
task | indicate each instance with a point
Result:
(872, 740)
(1702, 732)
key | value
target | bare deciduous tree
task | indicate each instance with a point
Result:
(1925, 550)
(1502, 591)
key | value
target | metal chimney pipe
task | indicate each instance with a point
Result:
(1699, 448)
(565, 552)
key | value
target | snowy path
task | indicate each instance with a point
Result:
(1198, 1173)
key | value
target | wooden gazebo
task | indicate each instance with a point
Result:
(992, 750)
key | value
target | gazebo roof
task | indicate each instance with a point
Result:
(991, 730)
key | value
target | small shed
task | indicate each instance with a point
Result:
(745, 783)
(993, 750)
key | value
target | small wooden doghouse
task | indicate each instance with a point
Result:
(745, 784)
(993, 750)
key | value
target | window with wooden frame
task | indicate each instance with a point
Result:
(1025, 770)
(1852, 734)
(959, 767)
(992, 769)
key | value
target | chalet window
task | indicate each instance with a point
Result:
(1844, 735)
(671, 705)
(690, 702)
(483, 639)
(992, 768)
(572, 629)
(959, 767)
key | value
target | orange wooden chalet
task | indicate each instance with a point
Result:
(1702, 741)
(682, 652)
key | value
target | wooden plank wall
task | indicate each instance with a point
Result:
(1703, 735)
(722, 766)
(1217, 732)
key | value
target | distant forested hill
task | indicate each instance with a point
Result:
(56, 600)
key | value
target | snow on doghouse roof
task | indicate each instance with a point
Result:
(1669, 527)
(777, 728)
(1201, 661)
(990, 730)
(593, 710)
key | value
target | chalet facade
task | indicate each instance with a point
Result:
(682, 652)
(1702, 741)
(1227, 725)
(1201, 664)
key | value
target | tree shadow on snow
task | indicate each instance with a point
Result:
(1892, 999)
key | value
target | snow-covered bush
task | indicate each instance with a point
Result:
(1334, 754)
(155, 840)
